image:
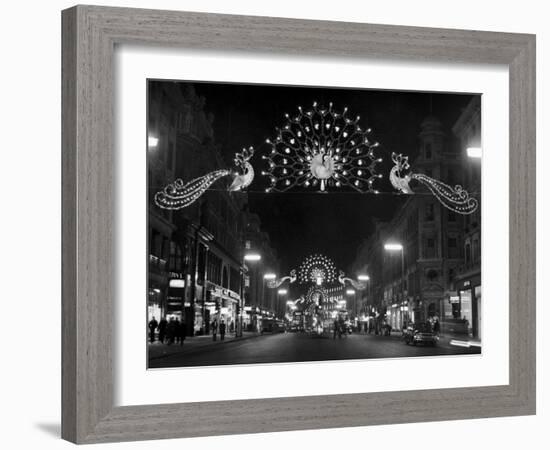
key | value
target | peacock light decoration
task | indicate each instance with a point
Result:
(456, 198)
(321, 148)
(274, 284)
(342, 279)
(179, 195)
(317, 269)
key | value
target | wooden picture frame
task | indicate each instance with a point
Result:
(90, 34)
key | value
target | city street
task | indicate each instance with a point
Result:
(293, 347)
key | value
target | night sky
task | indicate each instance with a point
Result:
(331, 223)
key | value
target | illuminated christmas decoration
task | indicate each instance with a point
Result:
(243, 180)
(274, 284)
(321, 148)
(179, 195)
(317, 269)
(318, 295)
(456, 199)
(342, 279)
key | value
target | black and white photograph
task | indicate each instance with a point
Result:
(292, 224)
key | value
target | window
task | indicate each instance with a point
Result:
(451, 216)
(428, 150)
(430, 249)
(476, 251)
(452, 247)
(467, 253)
(429, 212)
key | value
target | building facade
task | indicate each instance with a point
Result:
(261, 302)
(466, 301)
(196, 253)
(419, 281)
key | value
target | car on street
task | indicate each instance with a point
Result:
(421, 333)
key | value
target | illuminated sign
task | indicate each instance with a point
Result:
(177, 283)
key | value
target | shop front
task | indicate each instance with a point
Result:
(466, 305)
(223, 306)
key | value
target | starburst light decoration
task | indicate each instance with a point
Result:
(456, 198)
(322, 148)
(317, 269)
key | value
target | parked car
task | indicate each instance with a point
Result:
(419, 334)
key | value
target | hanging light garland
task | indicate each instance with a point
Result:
(321, 148)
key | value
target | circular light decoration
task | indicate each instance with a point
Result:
(322, 148)
(317, 269)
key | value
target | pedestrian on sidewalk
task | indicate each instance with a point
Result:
(214, 329)
(177, 331)
(222, 330)
(182, 331)
(436, 327)
(153, 324)
(171, 331)
(162, 329)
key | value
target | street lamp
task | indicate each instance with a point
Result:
(397, 247)
(474, 152)
(252, 257)
(363, 277)
(152, 141)
(351, 292)
(269, 276)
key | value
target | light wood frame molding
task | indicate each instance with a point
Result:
(90, 34)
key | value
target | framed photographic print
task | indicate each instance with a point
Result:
(314, 233)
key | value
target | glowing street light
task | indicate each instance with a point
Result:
(252, 257)
(269, 276)
(152, 141)
(474, 152)
(350, 292)
(290, 303)
(393, 246)
(363, 277)
(282, 292)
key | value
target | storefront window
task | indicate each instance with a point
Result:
(466, 306)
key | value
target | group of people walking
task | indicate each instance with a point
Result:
(169, 332)
(218, 327)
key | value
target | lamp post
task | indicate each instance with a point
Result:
(397, 247)
(365, 278)
(267, 293)
(351, 292)
(280, 292)
(248, 257)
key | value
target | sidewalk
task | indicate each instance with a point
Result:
(195, 343)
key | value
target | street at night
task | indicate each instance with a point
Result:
(294, 347)
(280, 214)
